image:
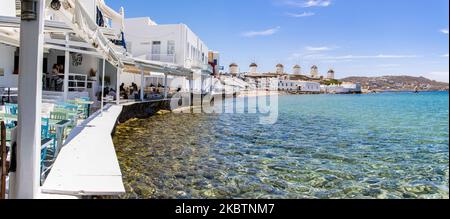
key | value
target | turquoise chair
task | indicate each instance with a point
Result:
(56, 117)
(45, 128)
(71, 105)
(46, 134)
(11, 109)
(85, 106)
(59, 116)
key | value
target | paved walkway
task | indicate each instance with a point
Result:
(87, 164)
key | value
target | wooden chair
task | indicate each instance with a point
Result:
(3, 163)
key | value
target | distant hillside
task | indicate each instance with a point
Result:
(397, 83)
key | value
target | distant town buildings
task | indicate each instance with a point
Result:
(292, 82)
(296, 86)
(344, 88)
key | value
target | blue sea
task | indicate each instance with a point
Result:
(381, 146)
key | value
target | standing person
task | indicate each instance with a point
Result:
(123, 91)
(134, 88)
(54, 76)
(61, 69)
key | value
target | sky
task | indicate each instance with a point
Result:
(353, 37)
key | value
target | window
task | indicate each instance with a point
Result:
(187, 50)
(171, 47)
(156, 50)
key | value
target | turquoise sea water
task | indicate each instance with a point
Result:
(390, 145)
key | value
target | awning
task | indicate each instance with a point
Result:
(110, 13)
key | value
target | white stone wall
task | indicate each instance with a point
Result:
(8, 8)
(85, 67)
(7, 66)
(140, 33)
(291, 85)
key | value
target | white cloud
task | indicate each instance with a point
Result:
(388, 65)
(446, 55)
(381, 56)
(304, 14)
(444, 31)
(318, 49)
(294, 56)
(442, 76)
(308, 3)
(267, 32)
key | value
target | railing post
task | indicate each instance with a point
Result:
(85, 83)
(66, 69)
(3, 155)
(166, 89)
(30, 100)
(103, 86)
(119, 70)
(142, 85)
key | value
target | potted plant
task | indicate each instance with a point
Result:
(92, 75)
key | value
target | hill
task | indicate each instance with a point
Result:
(397, 83)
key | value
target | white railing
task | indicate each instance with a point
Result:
(197, 64)
(168, 58)
(78, 82)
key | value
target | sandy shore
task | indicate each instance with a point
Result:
(257, 93)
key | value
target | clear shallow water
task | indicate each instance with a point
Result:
(357, 146)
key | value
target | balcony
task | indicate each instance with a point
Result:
(167, 58)
(197, 64)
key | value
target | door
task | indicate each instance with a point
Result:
(156, 51)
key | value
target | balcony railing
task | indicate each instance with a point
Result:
(197, 64)
(162, 58)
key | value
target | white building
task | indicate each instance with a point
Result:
(345, 88)
(7, 53)
(65, 44)
(299, 86)
(170, 43)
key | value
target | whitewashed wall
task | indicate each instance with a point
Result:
(7, 8)
(7, 65)
(85, 67)
(141, 32)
